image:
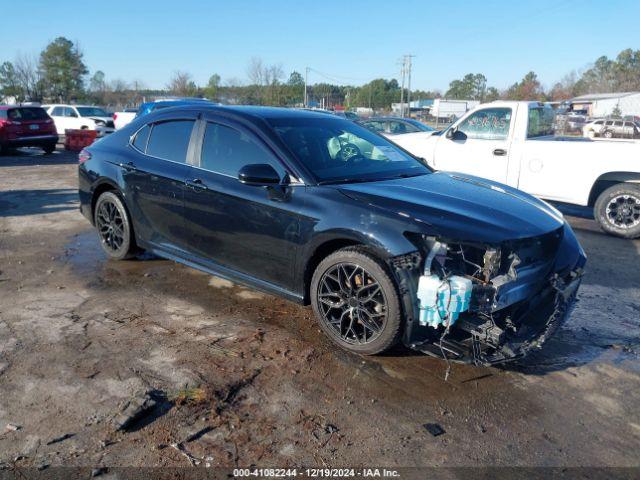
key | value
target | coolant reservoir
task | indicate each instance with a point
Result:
(442, 300)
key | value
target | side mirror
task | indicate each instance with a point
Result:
(259, 174)
(455, 134)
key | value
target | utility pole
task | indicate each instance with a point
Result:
(405, 71)
(409, 57)
(306, 79)
(402, 72)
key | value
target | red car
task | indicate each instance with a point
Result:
(26, 126)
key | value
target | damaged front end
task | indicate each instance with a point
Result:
(488, 304)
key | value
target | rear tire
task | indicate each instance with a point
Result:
(49, 149)
(114, 227)
(356, 301)
(617, 210)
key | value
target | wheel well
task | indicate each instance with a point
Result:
(323, 251)
(609, 180)
(100, 189)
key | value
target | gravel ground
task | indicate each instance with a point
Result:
(236, 377)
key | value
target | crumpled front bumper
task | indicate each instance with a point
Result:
(480, 342)
(511, 333)
(546, 315)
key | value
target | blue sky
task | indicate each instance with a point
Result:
(352, 41)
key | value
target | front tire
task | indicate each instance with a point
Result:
(356, 301)
(617, 210)
(114, 227)
(608, 134)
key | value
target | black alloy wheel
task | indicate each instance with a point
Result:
(114, 227)
(356, 302)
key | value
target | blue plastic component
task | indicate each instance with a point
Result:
(442, 301)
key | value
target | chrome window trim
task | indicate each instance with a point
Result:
(151, 125)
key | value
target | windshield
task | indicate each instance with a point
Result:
(541, 122)
(338, 151)
(91, 112)
(420, 125)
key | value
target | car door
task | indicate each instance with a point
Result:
(57, 113)
(249, 229)
(480, 145)
(154, 174)
(72, 120)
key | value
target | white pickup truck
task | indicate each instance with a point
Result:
(513, 143)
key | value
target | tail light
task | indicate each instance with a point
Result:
(115, 115)
(83, 156)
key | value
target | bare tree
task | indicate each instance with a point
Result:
(182, 84)
(255, 71)
(28, 76)
(266, 80)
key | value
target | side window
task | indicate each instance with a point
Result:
(57, 112)
(609, 123)
(487, 124)
(541, 122)
(400, 127)
(617, 124)
(170, 140)
(69, 112)
(140, 141)
(375, 126)
(226, 150)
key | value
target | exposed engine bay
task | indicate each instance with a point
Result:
(485, 304)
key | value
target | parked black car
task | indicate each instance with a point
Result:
(320, 210)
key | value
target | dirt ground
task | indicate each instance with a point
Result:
(241, 378)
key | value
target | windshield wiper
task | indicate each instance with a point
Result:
(349, 180)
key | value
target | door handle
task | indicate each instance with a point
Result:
(195, 184)
(129, 166)
(499, 152)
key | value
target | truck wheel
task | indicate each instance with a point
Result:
(608, 134)
(617, 210)
(356, 302)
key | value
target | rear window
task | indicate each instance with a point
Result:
(140, 142)
(541, 122)
(170, 140)
(27, 113)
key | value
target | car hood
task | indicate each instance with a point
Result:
(460, 207)
(102, 119)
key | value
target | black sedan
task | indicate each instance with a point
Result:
(320, 210)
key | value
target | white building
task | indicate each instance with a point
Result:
(603, 104)
(445, 108)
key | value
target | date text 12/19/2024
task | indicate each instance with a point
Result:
(316, 472)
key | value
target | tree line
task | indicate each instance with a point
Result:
(59, 74)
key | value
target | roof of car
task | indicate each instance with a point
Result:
(69, 105)
(7, 107)
(398, 119)
(266, 113)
